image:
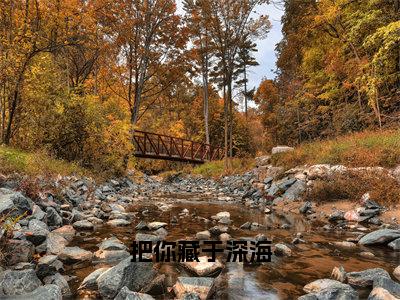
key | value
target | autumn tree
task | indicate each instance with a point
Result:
(145, 43)
(198, 17)
(232, 23)
(30, 28)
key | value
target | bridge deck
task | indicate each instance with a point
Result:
(165, 147)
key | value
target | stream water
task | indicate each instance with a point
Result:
(283, 278)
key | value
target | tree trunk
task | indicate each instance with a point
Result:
(230, 119)
(245, 90)
(225, 128)
(205, 100)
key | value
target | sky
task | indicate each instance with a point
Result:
(266, 48)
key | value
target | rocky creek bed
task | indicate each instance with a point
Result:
(78, 244)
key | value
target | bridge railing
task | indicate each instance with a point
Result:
(153, 145)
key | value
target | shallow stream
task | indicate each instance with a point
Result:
(283, 278)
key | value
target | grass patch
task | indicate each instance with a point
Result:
(36, 164)
(365, 149)
(351, 186)
(216, 169)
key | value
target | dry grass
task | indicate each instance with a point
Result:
(216, 169)
(36, 164)
(351, 186)
(377, 148)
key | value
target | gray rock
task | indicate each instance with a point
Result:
(46, 292)
(53, 218)
(90, 281)
(127, 294)
(273, 190)
(157, 286)
(396, 273)
(389, 285)
(381, 236)
(336, 216)
(305, 208)
(334, 293)
(142, 226)
(262, 160)
(37, 213)
(112, 244)
(73, 255)
(147, 237)
(19, 251)
(339, 274)
(118, 222)
(281, 149)
(110, 256)
(395, 245)
(379, 293)
(37, 232)
(282, 250)
(83, 225)
(48, 265)
(161, 232)
(66, 231)
(367, 277)
(246, 225)
(203, 268)
(14, 203)
(295, 191)
(55, 243)
(127, 273)
(60, 281)
(203, 286)
(156, 225)
(18, 282)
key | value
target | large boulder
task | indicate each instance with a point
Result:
(381, 236)
(321, 284)
(367, 277)
(133, 275)
(386, 285)
(14, 203)
(395, 245)
(90, 281)
(46, 292)
(18, 282)
(281, 149)
(328, 289)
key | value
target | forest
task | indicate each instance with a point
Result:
(78, 77)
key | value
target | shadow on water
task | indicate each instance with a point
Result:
(283, 278)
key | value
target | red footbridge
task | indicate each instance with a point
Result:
(165, 147)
